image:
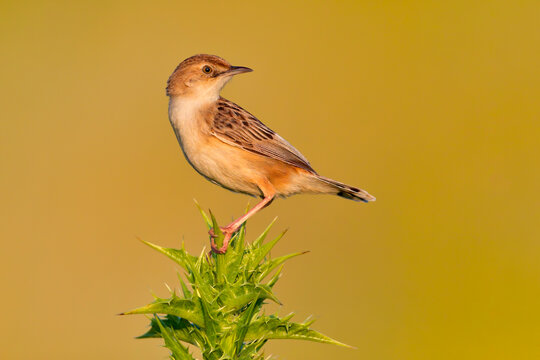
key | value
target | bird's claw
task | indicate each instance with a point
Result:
(217, 250)
(227, 237)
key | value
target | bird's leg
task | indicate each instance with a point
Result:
(230, 229)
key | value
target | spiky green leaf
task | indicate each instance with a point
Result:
(261, 237)
(243, 324)
(183, 329)
(179, 351)
(205, 217)
(210, 324)
(235, 298)
(180, 256)
(267, 267)
(187, 293)
(259, 253)
(187, 309)
(270, 327)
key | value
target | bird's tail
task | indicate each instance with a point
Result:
(346, 191)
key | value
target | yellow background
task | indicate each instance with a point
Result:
(430, 106)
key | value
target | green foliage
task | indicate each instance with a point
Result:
(220, 310)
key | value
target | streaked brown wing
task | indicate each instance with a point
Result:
(235, 126)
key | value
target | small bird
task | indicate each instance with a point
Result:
(232, 148)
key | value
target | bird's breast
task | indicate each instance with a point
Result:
(202, 150)
(190, 127)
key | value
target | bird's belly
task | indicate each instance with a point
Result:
(222, 164)
(240, 171)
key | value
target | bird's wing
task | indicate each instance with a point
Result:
(235, 126)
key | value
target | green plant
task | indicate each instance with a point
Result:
(220, 310)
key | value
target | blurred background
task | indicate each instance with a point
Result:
(430, 106)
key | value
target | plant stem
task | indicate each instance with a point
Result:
(220, 266)
(219, 257)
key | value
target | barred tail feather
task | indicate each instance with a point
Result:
(346, 191)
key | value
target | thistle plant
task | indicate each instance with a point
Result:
(220, 306)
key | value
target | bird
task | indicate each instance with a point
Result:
(232, 148)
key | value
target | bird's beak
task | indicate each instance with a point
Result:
(235, 70)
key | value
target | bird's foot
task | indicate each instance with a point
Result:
(228, 233)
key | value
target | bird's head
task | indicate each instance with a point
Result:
(202, 76)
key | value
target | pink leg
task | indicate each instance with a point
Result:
(230, 229)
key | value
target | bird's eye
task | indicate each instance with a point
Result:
(207, 69)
